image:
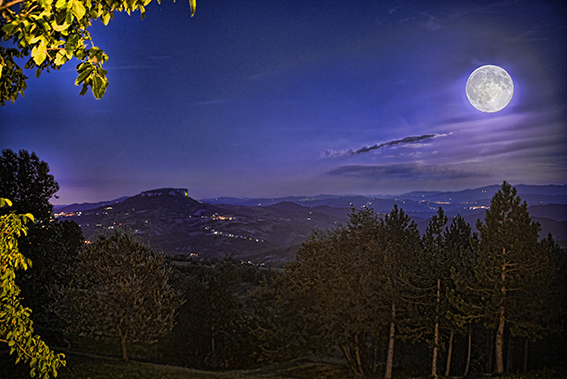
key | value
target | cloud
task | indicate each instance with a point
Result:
(409, 172)
(365, 149)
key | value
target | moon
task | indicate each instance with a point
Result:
(490, 88)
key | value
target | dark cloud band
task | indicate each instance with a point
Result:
(410, 172)
(365, 149)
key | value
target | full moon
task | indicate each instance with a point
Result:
(490, 88)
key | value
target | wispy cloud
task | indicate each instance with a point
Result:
(411, 172)
(365, 149)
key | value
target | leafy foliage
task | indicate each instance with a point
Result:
(53, 248)
(49, 244)
(25, 179)
(51, 33)
(344, 290)
(120, 289)
(16, 327)
(376, 284)
(213, 326)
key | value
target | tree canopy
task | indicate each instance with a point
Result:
(513, 271)
(16, 327)
(120, 289)
(50, 33)
(346, 290)
(26, 181)
(51, 245)
(376, 284)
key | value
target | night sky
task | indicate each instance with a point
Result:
(265, 98)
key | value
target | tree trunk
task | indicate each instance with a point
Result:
(501, 321)
(500, 342)
(213, 340)
(123, 339)
(435, 351)
(510, 355)
(526, 355)
(375, 363)
(490, 350)
(349, 359)
(449, 353)
(357, 353)
(390, 355)
(436, 337)
(469, 348)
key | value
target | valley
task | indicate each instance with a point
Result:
(269, 231)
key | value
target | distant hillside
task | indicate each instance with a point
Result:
(177, 224)
(85, 206)
(549, 194)
(272, 232)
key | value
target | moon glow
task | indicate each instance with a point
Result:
(490, 88)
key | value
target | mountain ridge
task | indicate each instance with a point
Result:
(271, 233)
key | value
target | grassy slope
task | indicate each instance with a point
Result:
(96, 367)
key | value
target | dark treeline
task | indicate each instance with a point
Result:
(373, 293)
(379, 295)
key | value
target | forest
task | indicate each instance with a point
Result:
(374, 295)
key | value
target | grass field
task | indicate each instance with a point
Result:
(97, 367)
(96, 359)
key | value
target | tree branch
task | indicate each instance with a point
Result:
(8, 5)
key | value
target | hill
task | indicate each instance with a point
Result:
(177, 224)
(271, 230)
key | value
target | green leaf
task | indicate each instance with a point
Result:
(84, 89)
(60, 58)
(71, 45)
(99, 87)
(61, 4)
(46, 4)
(39, 54)
(38, 38)
(9, 29)
(106, 18)
(78, 9)
(59, 28)
(83, 75)
(83, 66)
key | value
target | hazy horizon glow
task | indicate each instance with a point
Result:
(298, 98)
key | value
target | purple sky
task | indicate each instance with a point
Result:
(275, 98)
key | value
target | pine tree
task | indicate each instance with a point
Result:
(340, 291)
(435, 272)
(401, 250)
(512, 269)
(457, 239)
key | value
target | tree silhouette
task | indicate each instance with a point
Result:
(512, 272)
(26, 181)
(120, 289)
(16, 327)
(50, 245)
